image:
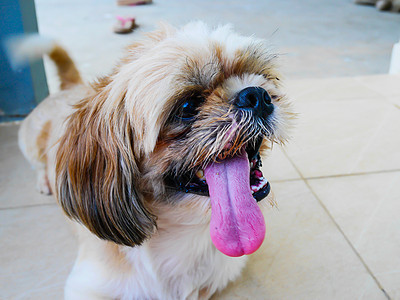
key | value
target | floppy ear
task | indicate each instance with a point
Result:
(96, 171)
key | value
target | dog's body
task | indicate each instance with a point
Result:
(126, 130)
(178, 262)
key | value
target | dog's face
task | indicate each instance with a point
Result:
(188, 111)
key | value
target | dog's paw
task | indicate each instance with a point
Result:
(42, 184)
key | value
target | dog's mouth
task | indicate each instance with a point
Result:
(234, 184)
(195, 181)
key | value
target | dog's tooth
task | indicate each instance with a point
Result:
(200, 174)
(262, 182)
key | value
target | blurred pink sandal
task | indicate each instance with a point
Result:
(124, 25)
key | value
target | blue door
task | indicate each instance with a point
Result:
(21, 89)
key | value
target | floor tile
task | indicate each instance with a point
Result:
(395, 100)
(304, 256)
(37, 250)
(277, 167)
(384, 84)
(367, 209)
(18, 180)
(342, 136)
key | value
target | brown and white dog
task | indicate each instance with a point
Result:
(159, 163)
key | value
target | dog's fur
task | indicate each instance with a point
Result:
(104, 151)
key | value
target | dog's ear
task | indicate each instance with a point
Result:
(96, 171)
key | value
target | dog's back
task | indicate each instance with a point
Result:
(37, 131)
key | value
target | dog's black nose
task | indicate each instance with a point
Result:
(256, 99)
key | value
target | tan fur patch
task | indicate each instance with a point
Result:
(66, 68)
(204, 293)
(42, 141)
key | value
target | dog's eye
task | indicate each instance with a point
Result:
(189, 109)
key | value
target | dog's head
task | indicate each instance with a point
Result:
(187, 111)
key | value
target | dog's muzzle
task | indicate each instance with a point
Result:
(234, 182)
(257, 101)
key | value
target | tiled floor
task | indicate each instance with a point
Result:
(334, 235)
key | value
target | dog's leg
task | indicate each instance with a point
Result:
(78, 294)
(42, 183)
(33, 141)
(84, 283)
(92, 274)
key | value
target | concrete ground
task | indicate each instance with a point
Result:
(315, 39)
(336, 231)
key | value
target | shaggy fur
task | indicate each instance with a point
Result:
(105, 151)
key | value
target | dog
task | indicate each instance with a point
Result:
(158, 164)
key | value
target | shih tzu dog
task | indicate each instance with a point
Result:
(159, 163)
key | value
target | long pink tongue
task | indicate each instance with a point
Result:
(237, 225)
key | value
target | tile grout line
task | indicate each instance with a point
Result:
(339, 228)
(27, 206)
(347, 240)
